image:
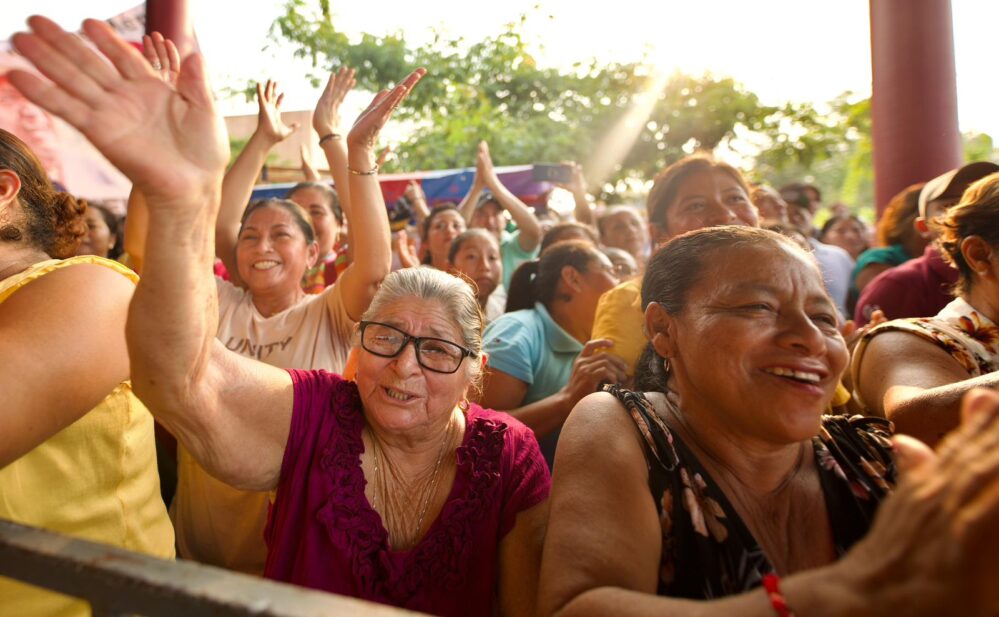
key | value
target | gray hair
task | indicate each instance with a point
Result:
(455, 295)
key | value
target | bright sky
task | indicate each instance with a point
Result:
(799, 50)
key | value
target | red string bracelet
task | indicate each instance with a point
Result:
(771, 582)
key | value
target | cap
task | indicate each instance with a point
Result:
(953, 183)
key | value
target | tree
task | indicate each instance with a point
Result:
(493, 89)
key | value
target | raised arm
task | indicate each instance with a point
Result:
(577, 186)
(328, 123)
(239, 180)
(467, 205)
(367, 217)
(232, 413)
(527, 223)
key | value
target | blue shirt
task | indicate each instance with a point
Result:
(528, 345)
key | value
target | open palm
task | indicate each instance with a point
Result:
(168, 140)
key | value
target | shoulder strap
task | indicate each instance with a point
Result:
(656, 435)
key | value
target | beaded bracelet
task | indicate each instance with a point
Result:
(371, 172)
(771, 582)
(328, 137)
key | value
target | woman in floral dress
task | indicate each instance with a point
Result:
(915, 371)
(696, 498)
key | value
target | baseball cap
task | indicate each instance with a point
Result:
(953, 183)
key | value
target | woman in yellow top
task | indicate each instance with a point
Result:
(76, 446)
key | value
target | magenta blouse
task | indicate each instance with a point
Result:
(322, 532)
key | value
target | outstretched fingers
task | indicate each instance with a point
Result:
(58, 67)
(51, 98)
(126, 58)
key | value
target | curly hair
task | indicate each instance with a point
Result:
(52, 221)
(977, 214)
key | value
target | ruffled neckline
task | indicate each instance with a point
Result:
(441, 556)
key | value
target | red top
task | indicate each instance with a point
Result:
(322, 532)
(918, 288)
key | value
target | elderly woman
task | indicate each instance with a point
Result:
(393, 489)
(76, 455)
(915, 371)
(708, 496)
(266, 314)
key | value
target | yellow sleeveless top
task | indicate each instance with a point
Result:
(96, 479)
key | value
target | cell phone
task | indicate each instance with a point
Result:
(547, 172)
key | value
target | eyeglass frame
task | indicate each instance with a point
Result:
(416, 341)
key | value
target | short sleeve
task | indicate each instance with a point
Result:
(511, 347)
(229, 295)
(527, 481)
(312, 423)
(619, 318)
(343, 325)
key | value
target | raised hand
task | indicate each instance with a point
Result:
(414, 192)
(485, 173)
(169, 141)
(326, 117)
(269, 123)
(163, 56)
(364, 134)
(577, 181)
(405, 247)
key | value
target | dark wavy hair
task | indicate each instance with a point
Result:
(53, 222)
(977, 214)
(678, 266)
(667, 183)
(301, 217)
(537, 280)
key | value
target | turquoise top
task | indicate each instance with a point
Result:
(528, 345)
(513, 255)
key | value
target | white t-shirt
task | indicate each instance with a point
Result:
(495, 304)
(313, 334)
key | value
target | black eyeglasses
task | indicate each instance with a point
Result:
(434, 354)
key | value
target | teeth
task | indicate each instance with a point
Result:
(264, 265)
(800, 375)
(399, 396)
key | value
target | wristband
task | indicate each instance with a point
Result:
(328, 137)
(771, 582)
(370, 172)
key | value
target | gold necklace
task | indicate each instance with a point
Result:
(425, 498)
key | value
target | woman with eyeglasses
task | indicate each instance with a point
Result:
(391, 489)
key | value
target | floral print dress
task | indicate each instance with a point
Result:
(708, 552)
(960, 330)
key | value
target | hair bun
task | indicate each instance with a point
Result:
(69, 225)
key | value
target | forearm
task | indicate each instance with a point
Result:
(583, 211)
(814, 593)
(929, 414)
(173, 316)
(335, 150)
(136, 228)
(467, 205)
(370, 235)
(545, 416)
(527, 223)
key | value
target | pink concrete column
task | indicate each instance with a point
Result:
(914, 106)
(170, 18)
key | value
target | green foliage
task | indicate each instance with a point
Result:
(493, 89)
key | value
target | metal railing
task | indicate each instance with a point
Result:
(118, 582)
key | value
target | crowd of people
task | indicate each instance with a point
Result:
(631, 411)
